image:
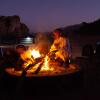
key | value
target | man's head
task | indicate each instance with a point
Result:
(57, 32)
(20, 49)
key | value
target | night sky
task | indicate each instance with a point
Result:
(46, 15)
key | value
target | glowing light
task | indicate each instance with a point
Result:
(28, 39)
(35, 53)
(94, 51)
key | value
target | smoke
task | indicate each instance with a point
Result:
(42, 43)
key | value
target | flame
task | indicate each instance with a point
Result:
(35, 53)
(45, 66)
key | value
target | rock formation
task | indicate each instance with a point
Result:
(12, 26)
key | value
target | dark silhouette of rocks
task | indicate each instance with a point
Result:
(12, 27)
(84, 28)
(90, 28)
(73, 28)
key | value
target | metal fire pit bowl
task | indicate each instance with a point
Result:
(50, 83)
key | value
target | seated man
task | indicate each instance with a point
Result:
(25, 56)
(61, 47)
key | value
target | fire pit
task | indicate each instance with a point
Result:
(37, 65)
(42, 73)
(59, 71)
(45, 82)
(60, 80)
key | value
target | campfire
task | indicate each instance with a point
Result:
(44, 59)
(42, 65)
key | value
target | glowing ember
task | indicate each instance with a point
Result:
(58, 71)
(35, 53)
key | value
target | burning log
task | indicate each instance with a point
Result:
(39, 68)
(24, 72)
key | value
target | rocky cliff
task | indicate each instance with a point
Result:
(12, 26)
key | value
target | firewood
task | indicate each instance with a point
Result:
(24, 72)
(39, 68)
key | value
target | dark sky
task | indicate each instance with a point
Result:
(46, 15)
